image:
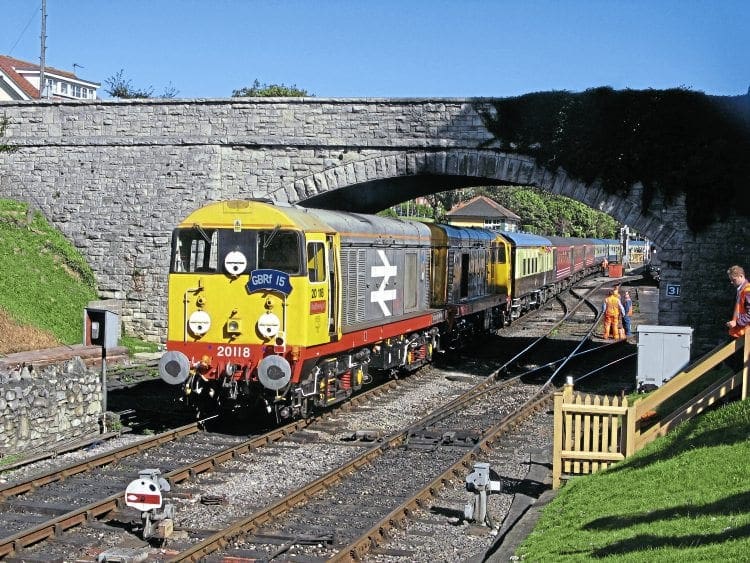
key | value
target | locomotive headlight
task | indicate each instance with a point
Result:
(268, 325)
(199, 323)
(235, 263)
(234, 326)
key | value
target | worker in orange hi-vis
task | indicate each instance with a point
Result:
(741, 317)
(613, 312)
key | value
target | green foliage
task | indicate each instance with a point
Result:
(258, 90)
(672, 141)
(682, 498)
(541, 213)
(442, 202)
(548, 214)
(118, 86)
(9, 460)
(135, 345)
(45, 281)
(390, 212)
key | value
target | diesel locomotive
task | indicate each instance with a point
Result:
(293, 309)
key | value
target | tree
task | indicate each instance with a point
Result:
(258, 90)
(118, 86)
(442, 202)
(552, 215)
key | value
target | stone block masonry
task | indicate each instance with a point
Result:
(115, 176)
(39, 409)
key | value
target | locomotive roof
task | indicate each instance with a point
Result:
(357, 225)
(467, 233)
(525, 239)
(609, 241)
(253, 213)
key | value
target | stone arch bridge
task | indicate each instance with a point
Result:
(116, 176)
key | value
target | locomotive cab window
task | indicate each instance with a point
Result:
(279, 250)
(316, 265)
(194, 250)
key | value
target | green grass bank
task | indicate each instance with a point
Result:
(45, 282)
(685, 497)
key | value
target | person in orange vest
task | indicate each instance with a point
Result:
(613, 312)
(605, 263)
(741, 317)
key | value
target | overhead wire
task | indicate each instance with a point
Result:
(38, 9)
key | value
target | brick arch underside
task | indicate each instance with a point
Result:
(404, 175)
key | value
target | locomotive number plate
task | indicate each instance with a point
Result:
(234, 351)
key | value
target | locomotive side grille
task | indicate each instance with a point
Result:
(354, 264)
(427, 281)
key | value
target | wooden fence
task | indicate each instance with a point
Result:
(593, 432)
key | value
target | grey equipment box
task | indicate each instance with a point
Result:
(100, 328)
(662, 352)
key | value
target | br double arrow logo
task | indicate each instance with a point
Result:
(386, 271)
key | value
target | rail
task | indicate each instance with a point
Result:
(593, 432)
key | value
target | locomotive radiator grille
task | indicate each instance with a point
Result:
(354, 264)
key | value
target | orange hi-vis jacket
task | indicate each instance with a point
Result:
(743, 295)
(613, 307)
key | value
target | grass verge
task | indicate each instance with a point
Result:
(684, 497)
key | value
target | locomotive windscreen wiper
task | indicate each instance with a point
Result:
(275, 231)
(203, 234)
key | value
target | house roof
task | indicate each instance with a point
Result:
(13, 69)
(482, 206)
(8, 66)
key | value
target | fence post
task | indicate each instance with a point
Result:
(745, 357)
(561, 397)
(557, 424)
(628, 432)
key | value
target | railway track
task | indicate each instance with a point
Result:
(323, 444)
(346, 512)
(94, 478)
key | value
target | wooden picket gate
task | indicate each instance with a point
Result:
(588, 433)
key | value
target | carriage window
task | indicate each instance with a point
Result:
(194, 250)
(501, 255)
(316, 266)
(279, 250)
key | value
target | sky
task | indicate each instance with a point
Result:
(390, 48)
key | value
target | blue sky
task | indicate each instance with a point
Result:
(391, 48)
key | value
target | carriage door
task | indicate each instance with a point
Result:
(333, 297)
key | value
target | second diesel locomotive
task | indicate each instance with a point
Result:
(290, 309)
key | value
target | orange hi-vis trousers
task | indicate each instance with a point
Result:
(612, 323)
